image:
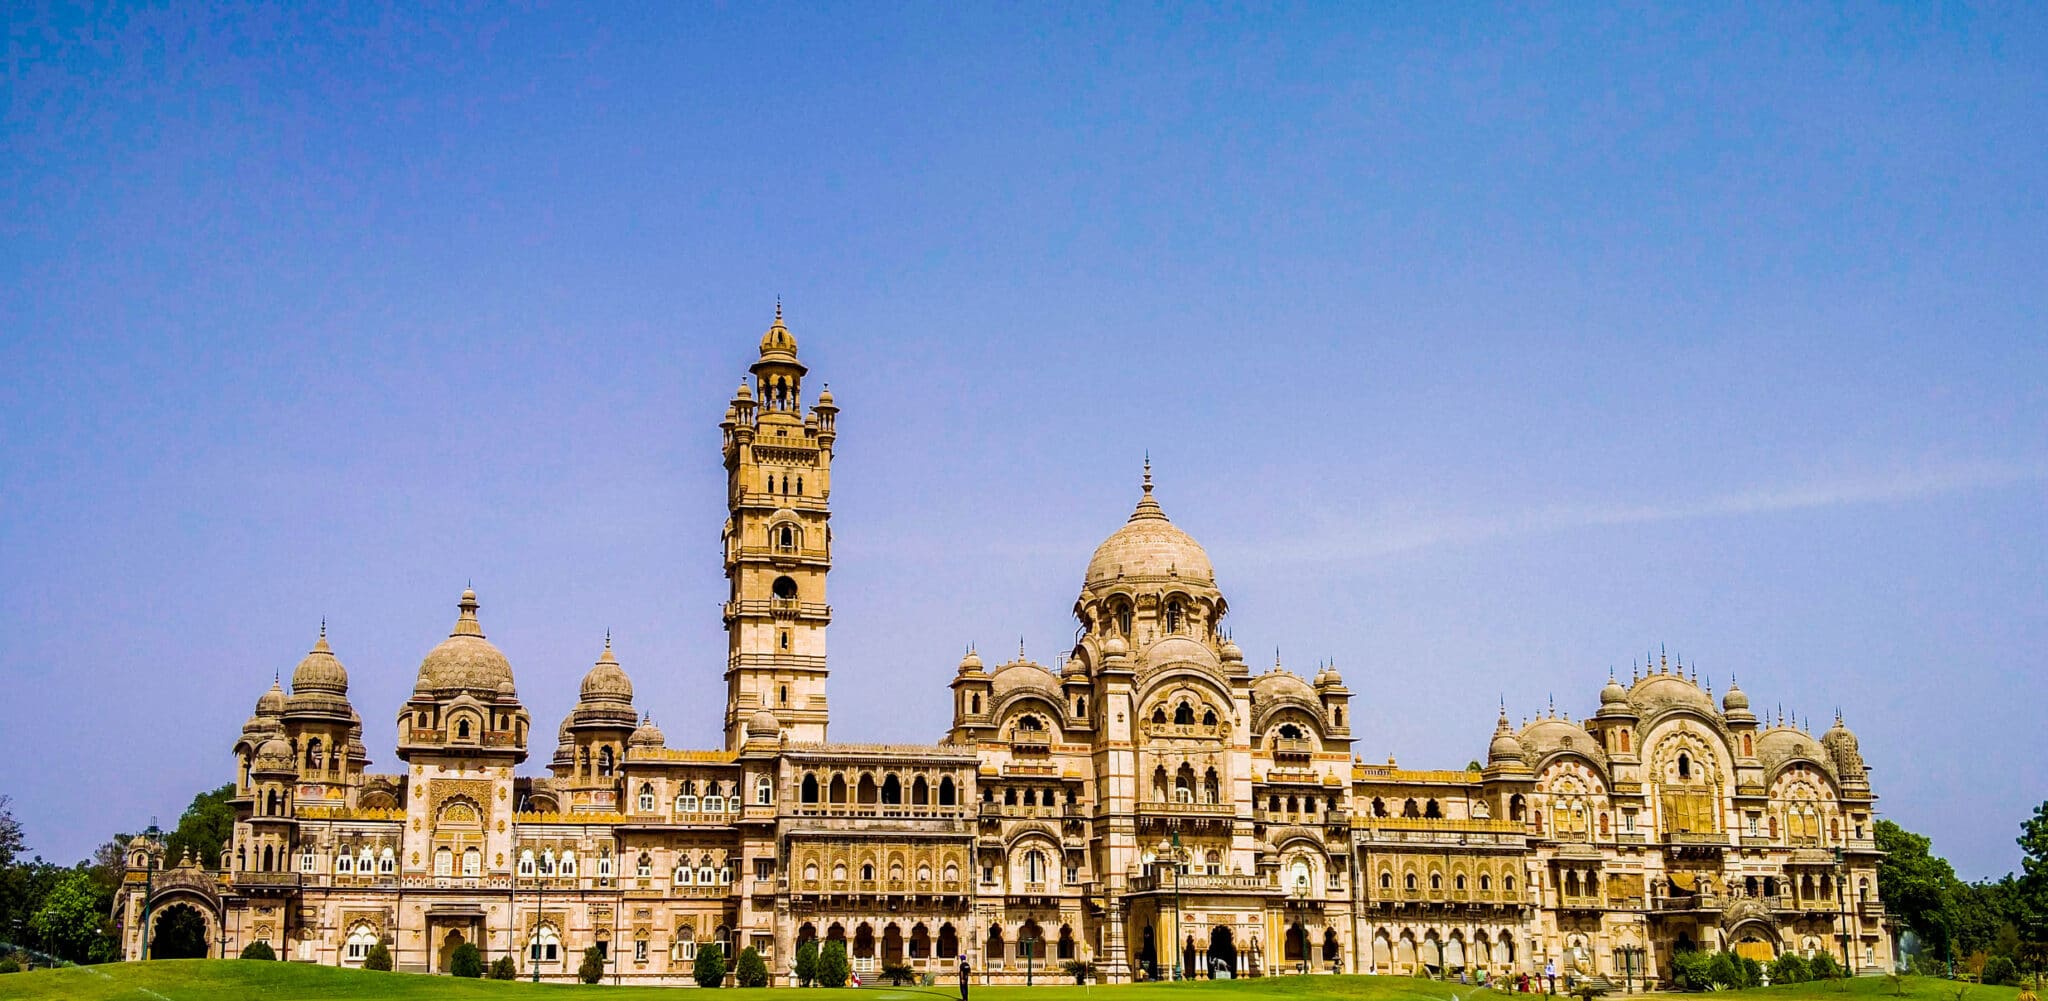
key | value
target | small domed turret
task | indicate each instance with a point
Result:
(763, 724)
(647, 735)
(1506, 747)
(1736, 700)
(971, 663)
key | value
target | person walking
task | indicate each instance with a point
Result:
(965, 972)
(1550, 974)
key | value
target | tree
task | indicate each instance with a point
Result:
(503, 968)
(72, 920)
(591, 970)
(1916, 883)
(2032, 911)
(709, 970)
(751, 971)
(2000, 972)
(466, 961)
(206, 827)
(806, 962)
(12, 844)
(258, 950)
(832, 966)
(379, 958)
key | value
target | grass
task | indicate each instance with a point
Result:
(239, 980)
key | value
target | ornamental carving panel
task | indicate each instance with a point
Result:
(477, 791)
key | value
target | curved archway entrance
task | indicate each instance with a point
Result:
(1753, 940)
(453, 942)
(1222, 952)
(179, 931)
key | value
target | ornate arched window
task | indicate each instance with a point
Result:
(646, 797)
(360, 938)
(764, 791)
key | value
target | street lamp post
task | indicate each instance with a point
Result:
(1174, 855)
(1027, 942)
(152, 832)
(1842, 907)
(1301, 910)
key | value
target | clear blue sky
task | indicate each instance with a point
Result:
(1485, 349)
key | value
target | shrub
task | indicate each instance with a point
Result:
(709, 970)
(1692, 971)
(10, 964)
(751, 972)
(379, 958)
(1723, 971)
(1586, 990)
(2000, 971)
(503, 968)
(1080, 970)
(897, 974)
(1790, 968)
(832, 965)
(466, 962)
(592, 968)
(258, 950)
(1824, 967)
(806, 962)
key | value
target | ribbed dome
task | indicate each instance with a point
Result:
(763, 724)
(1736, 700)
(465, 660)
(607, 680)
(271, 703)
(320, 671)
(778, 339)
(274, 755)
(647, 735)
(1149, 546)
(1612, 694)
(1506, 748)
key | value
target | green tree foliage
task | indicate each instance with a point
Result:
(503, 968)
(709, 970)
(1692, 971)
(466, 961)
(807, 962)
(9, 964)
(1916, 884)
(259, 950)
(833, 969)
(378, 958)
(12, 844)
(751, 971)
(72, 921)
(591, 970)
(2031, 911)
(205, 828)
(2000, 971)
(1824, 967)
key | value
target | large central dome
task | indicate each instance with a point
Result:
(1149, 546)
(465, 660)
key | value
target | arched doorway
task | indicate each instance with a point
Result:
(1148, 954)
(179, 931)
(1295, 949)
(1754, 941)
(1222, 951)
(1190, 963)
(1333, 951)
(892, 945)
(446, 957)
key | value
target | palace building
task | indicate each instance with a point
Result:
(1150, 804)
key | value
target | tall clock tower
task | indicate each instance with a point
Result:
(778, 545)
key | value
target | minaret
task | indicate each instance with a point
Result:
(778, 546)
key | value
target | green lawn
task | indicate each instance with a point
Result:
(239, 980)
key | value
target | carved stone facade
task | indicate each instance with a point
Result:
(1147, 802)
